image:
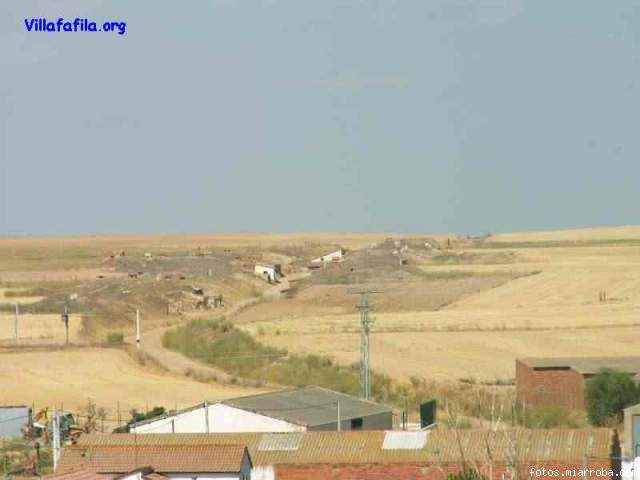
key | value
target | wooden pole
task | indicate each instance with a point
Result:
(15, 322)
(138, 328)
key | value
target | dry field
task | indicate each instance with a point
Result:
(38, 329)
(107, 376)
(577, 235)
(554, 312)
(461, 320)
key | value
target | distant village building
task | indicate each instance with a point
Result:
(393, 455)
(560, 381)
(270, 273)
(336, 256)
(13, 419)
(308, 408)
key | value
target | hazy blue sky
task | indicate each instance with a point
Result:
(329, 115)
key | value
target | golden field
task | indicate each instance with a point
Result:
(467, 316)
(554, 311)
(68, 378)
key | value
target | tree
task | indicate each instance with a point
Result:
(137, 416)
(607, 393)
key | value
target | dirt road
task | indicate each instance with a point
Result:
(177, 363)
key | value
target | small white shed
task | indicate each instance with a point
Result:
(336, 256)
(271, 273)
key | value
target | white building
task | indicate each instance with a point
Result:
(336, 256)
(271, 273)
(308, 408)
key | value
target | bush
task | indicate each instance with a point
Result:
(466, 474)
(137, 416)
(607, 393)
(115, 338)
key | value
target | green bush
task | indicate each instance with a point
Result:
(115, 338)
(607, 393)
(466, 474)
(137, 416)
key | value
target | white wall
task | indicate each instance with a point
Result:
(264, 472)
(261, 269)
(337, 255)
(222, 418)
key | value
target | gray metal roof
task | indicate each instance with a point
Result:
(308, 406)
(585, 365)
(12, 419)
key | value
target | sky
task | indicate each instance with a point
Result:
(334, 115)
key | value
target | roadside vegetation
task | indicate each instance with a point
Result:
(220, 344)
(24, 458)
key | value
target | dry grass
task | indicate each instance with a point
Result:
(555, 312)
(578, 234)
(465, 317)
(38, 329)
(485, 356)
(69, 378)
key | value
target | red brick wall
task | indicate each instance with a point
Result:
(412, 471)
(560, 387)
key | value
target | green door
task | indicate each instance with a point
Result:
(636, 435)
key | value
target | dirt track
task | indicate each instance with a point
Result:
(174, 362)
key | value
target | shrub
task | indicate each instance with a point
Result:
(607, 393)
(137, 416)
(115, 338)
(466, 474)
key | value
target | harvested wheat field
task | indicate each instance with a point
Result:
(107, 376)
(38, 329)
(484, 356)
(571, 300)
(572, 235)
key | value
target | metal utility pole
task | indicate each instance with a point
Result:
(138, 328)
(56, 439)
(15, 323)
(65, 320)
(365, 323)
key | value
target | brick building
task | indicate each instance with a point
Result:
(426, 455)
(560, 381)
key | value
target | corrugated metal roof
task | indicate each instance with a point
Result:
(309, 406)
(585, 365)
(177, 458)
(367, 446)
(280, 441)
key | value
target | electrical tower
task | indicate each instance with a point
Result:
(365, 323)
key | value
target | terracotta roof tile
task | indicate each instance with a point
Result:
(440, 445)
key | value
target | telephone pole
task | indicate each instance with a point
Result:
(138, 328)
(56, 438)
(365, 324)
(65, 320)
(15, 322)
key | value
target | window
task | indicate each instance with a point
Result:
(356, 424)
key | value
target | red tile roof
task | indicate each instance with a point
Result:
(162, 458)
(440, 445)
